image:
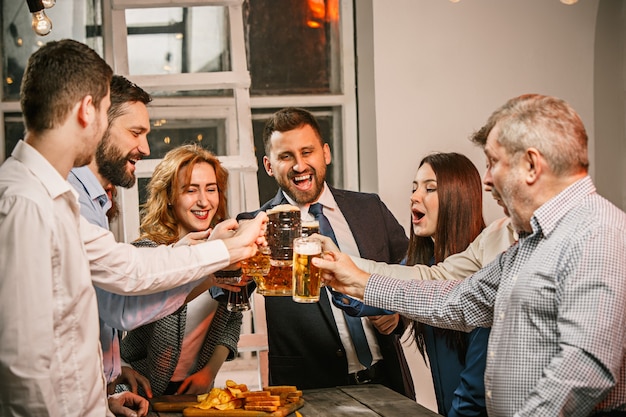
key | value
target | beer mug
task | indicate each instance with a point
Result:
(306, 277)
(310, 227)
(257, 265)
(284, 225)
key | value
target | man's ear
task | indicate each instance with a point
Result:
(327, 155)
(268, 166)
(86, 111)
(534, 163)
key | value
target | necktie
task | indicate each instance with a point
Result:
(355, 326)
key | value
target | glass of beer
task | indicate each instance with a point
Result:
(239, 300)
(310, 227)
(306, 277)
(284, 225)
(258, 265)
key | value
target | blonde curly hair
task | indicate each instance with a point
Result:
(159, 222)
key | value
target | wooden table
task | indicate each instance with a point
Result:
(367, 400)
(361, 400)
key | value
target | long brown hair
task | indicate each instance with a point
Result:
(159, 222)
(459, 221)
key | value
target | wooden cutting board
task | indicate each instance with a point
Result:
(185, 403)
(282, 411)
(173, 403)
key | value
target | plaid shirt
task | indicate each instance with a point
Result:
(556, 302)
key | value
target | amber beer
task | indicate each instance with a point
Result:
(276, 282)
(283, 226)
(257, 265)
(306, 276)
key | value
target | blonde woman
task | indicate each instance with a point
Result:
(182, 353)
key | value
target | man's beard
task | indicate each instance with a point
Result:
(112, 164)
(303, 197)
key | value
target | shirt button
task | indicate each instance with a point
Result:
(488, 393)
(501, 316)
(491, 354)
(514, 278)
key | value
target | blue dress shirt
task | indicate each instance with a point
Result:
(123, 312)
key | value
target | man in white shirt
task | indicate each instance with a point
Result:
(50, 358)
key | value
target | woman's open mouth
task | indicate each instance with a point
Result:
(417, 216)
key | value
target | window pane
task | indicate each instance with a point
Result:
(327, 118)
(176, 40)
(167, 134)
(294, 51)
(70, 19)
(13, 131)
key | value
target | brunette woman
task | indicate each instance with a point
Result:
(446, 214)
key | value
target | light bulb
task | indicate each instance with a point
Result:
(41, 24)
(48, 3)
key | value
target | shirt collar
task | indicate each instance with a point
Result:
(49, 177)
(91, 184)
(326, 199)
(546, 217)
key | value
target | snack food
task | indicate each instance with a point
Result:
(222, 398)
(280, 389)
(237, 396)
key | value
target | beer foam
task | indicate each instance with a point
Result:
(282, 208)
(309, 248)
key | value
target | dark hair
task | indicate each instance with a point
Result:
(459, 221)
(460, 217)
(124, 91)
(57, 76)
(288, 119)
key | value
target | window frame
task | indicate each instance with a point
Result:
(242, 160)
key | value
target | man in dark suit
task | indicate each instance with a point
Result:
(310, 344)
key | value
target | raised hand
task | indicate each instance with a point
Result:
(340, 273)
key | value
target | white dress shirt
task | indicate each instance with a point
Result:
(50, 357)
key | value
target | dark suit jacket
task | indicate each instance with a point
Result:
(304, 345)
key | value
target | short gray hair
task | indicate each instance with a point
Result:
(546, 123)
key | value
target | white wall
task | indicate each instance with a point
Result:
(441, 68)
(430, 72)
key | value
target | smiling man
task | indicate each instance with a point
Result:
(315, 347)
(125, 142)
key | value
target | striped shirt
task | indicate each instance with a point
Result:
(556, 302)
